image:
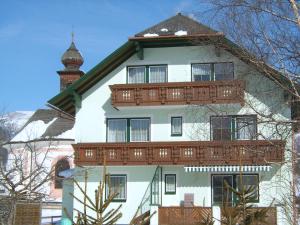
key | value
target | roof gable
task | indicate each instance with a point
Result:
(178, 25)
(197, 34)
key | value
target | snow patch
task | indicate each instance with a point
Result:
(151, 35)
(69, 134)
(164, 30)
(33, 130)
(181, 33)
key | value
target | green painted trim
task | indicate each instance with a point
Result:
(77, 99)
(89, 75)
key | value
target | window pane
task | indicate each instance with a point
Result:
(136, 75)
(246, 127)
(117, 185)
(221, 127)
(223, 71)
(139, 129)
(176, 125)
(249, 182)
(157, 74)
(170, 183)
(201, 72)
(220, 192)
(116, 130)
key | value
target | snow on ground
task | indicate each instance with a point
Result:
(181, 33)
(33, 130)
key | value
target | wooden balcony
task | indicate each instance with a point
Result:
(252, 152)
(178, 93)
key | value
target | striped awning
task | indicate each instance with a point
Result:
(230, 169)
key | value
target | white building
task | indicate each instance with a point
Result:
(177, 110)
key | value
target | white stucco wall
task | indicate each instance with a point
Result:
(262, 97)
(261, 93)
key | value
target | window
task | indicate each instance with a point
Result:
(176, 126)
(221, 127)
(221, 194)
(245, 127)
(139, 130)
(201, 72)
(233, 127)
(117, 184)
(60, 166)
(128, 130)
(136, 75)
(249, 182)
(170, 184)
(147, 74)
(157, 74)
(223, 71)
(212, 71)
(116, 130)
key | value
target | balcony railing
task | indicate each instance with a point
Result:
(252, 152)
(178, 93)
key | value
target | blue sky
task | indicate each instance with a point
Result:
(35, 33)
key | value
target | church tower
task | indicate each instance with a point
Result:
(72, 61)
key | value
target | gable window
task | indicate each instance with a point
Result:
(128, 130)
(60, 166)
(233, 127)
(212, 71)
(221, 194)
(170, 184)
(117, 184)
(176, 126)
(147, 74)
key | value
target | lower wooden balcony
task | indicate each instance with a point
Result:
(194, 215)
(248, 152)
(178, 93)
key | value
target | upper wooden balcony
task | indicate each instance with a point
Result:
(248, 152)
(178, 93)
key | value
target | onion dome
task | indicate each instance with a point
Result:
(72, 58)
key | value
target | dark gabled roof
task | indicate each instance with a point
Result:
(197, 34)
(177, 23)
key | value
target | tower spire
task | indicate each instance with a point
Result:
(72, 61)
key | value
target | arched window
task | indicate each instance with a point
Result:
(60, 166)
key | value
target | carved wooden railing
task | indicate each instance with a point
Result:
(252, 152)
(183, 215)
(178, 93)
